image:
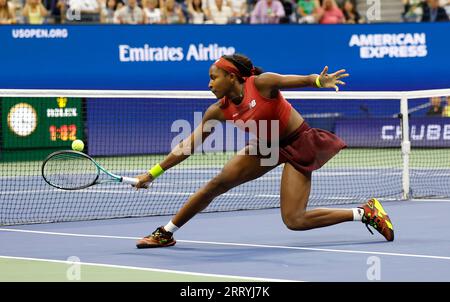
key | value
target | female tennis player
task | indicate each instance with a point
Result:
(246, 94)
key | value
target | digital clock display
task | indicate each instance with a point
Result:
(63, 132)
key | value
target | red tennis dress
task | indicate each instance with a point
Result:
(306, 149)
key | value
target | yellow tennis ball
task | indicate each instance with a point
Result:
(78, 145)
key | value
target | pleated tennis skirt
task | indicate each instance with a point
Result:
(307, 149)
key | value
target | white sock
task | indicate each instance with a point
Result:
(170, 227)
(358, 214)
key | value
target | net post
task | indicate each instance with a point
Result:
(406, 147)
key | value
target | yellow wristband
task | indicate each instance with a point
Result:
(156, 171)
(318, 82)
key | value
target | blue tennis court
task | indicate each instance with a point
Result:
(239, 237)
(246, 244)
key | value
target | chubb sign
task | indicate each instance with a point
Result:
(430, 132)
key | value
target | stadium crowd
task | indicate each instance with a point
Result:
(437, 108)
(206, 11)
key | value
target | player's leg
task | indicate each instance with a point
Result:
(295, 190)
(238, 170)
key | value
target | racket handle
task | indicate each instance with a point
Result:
(130, 180)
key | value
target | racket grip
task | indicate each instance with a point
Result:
(130, 180)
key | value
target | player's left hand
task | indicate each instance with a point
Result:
(332, 80)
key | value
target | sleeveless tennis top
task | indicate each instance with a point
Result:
(257, 110)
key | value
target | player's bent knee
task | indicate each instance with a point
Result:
(296, 223)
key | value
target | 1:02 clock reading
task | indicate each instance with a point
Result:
(63, 132)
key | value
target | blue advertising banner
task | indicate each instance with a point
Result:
(378, 56)
(130, 126)
(386, 132)
(142, 126)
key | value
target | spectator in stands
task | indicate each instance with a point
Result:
(197, 13)
(351, 13)
(413, 10)
(221, 13)
(446, 5)
(330, 13)
(120, 4)
(290, 15)
(446, 110)
(56, 9)
(105, 11)
(130, 14)
(173, 13)
(267, 11)
(34, 12)
(184, 8)
(7, 15)
(152, 13)
(433, 12)
(108, 11)
(435, 108)
(85, 11)
(206, 5)
(239, 9)
(306, 10)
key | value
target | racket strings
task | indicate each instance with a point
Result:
(70, 172)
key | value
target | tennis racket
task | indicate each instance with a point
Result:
(73, 170)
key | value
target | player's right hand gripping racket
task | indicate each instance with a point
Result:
(73, 170)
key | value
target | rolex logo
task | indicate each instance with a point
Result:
(62, 102)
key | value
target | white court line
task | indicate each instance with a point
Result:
(28, 191)
(384, 173)
(238, 244)
(75, 191)
(310, 197)
(440, 199)
(131, 191)
(149, 269)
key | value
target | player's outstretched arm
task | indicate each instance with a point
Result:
(185, 148)
(272, 81)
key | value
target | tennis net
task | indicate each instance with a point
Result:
(397, 149)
